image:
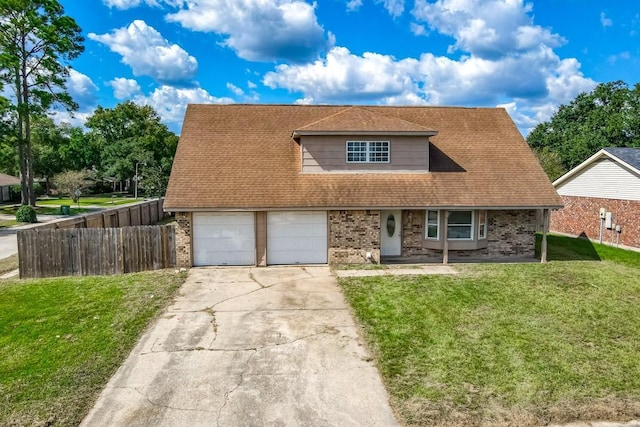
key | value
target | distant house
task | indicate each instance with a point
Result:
(303, 184)
(6, 182)
(608, 181)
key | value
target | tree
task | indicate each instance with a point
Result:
(36, 40)
(70, 182)
(131, 134)
(550, 162)
(47, 140)
(608, 116)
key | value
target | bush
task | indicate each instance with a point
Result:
(26, 214)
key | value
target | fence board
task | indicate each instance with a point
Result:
(95, 251)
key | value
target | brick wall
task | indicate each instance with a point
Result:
(183, 239)
(581, 215)
(509, 233)
(352, 234)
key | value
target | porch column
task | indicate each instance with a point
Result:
(445, 249)
(545, 227)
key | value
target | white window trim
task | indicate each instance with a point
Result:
(426, 226)
(486, 220)
(471, 234)
(368, 152)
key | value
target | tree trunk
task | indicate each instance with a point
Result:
(24, 192)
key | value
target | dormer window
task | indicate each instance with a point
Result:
(367, 151)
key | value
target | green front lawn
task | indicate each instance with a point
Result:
(62, 339)
(41, 210)
(515, 344)
(102, 201)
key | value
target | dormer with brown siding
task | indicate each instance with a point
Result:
(356, 140)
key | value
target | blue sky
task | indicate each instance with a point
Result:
(528, 57)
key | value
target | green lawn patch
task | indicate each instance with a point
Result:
(8, 264)
(62, 339)
(43, 210)
(509, 344)
(92, 201)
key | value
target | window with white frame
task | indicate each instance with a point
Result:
(482, 224)
(367, 151)
(433, 225)
(460, 225)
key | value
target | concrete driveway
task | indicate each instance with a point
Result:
(272, 346)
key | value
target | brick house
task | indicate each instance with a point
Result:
(609, 181)
(294, 184)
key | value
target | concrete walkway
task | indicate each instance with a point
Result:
(240, 346)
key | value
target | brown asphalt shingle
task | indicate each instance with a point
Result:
(244, 157)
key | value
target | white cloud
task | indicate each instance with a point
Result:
(606, 22)
(124, 88)
(259, 30)
(394, 7)
(353, 5)
(148, 53)
(251, 85)
(170, 102)
(75, 119)
(128, 4)
(532, 81)
(486, 28)
(81, 88)
(235, 89)
(418, 29)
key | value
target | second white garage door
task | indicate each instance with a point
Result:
(297, 237)
(223, 238)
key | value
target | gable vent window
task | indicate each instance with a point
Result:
(367, 151)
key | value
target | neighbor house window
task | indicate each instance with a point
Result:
(460, 225)
(367, 151)
(433, 225)
(482, 224)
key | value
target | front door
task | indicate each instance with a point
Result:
(390, 233)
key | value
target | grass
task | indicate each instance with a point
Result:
(62, 339)
(41, 210)
(8, 264)
(102, 201)
(509, 344)
(8, 223)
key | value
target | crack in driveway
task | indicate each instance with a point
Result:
(237, 386)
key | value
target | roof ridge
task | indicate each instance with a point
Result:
(329, 116)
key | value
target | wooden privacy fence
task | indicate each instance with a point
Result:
(46, 252)
(143, 213)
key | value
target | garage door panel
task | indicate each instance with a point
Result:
(297, 237)
(223, 238)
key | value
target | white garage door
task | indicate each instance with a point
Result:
(297, 237)
(223, 238)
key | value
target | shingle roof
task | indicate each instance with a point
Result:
(244, 157)
(630, 156)
(361, 120)
(8, 180)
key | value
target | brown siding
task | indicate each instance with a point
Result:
(261, 239)
(581, 216)
(352, 234)
(328, 154)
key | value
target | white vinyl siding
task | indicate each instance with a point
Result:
(604, 179)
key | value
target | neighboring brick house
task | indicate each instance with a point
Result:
(610, 181)
(294, 184)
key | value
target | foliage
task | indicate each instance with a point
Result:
(71, 181)
(131, 134)
(26, 213)
(608, 116)
(36, 39)
(511, 344)
(550, 162)
(62, 339)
